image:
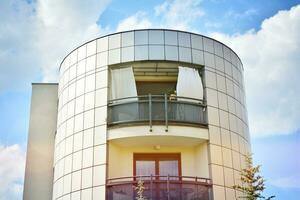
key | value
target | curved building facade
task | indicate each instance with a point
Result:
(162, 106)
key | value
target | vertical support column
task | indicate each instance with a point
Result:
(166, 112)
(168, 187)
(150, 112)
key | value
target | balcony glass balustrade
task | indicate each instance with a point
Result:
(160, 187)
(151, 109)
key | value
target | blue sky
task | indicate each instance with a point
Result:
(36, 35)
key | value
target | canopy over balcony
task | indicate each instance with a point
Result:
(160, 187)
(160, 109)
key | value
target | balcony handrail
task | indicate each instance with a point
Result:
(156, 98)
(158, 178)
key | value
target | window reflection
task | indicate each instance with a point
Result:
(168, 168)
(145, 168)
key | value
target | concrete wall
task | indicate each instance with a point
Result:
(42, 126)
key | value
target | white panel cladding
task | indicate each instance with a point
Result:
(198, 57)
(100, 136)
(210, 80)
(82, 52)
(102, 59)
(88, 138)
(90, 63)
(140, 37)
(88, 119)
(91, 48)
(75, 196)
(185, 54)
(100, 155)
(219, 63)
(100, 115)
(197, 42)
(99, 175)
(156, 37)
(209, 60)
(171, 53)
(101, 79)
(76, 180)
(71, 109)
(208, 45)
(81, 145)
(82, 109)
(127, 54)
(86, 194)
(81, 67)
(218, 47)
(171, 38)
(184, 39)
(99, 192)
(89, 100)
(127, 39)
(141, 53)
(79, 105)
(211, 97)
(114, 56)
(114, 41)
(99, 100)
(156, 52)
(102, 44)
(87, 157)
(87, 178)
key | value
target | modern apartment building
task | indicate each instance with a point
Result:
(162, 106)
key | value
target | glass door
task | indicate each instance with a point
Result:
(144, 168)
(146, 164)
(163, 168)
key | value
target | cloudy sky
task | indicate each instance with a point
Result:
(36, 34)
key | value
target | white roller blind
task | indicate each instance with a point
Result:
(122, 83)
(189, 83)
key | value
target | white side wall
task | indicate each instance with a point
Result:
(42, 127)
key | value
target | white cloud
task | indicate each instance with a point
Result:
(287, 182)
(271, 62)
(270, 56)
(64, 25)
(36, 36)
(179, 14)
(239, 15)
(136, 21)
(173, 14)
(12, 168)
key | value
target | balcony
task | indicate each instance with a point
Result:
(157, 109)
(160, 188)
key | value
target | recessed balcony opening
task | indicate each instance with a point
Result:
(155, 78)
(156, 92)
(155, 87)
(168, 171)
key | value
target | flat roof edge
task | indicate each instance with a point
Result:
(44, 83)
(149, 29)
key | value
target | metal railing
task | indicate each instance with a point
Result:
(157, 108)
(160, 187)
